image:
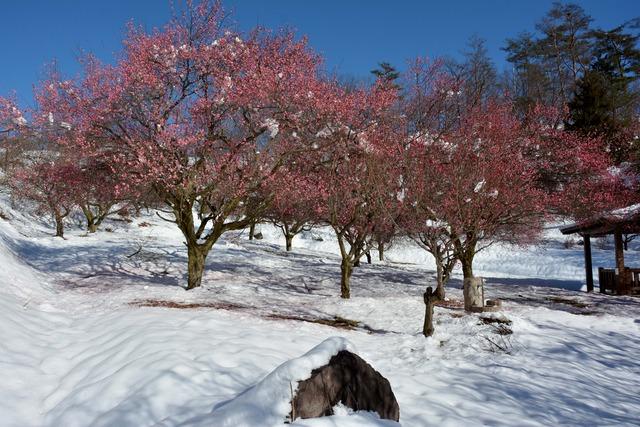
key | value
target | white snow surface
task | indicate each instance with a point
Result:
(86, 341)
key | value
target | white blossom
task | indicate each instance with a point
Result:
(273, 126)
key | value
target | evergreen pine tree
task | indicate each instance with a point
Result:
(605, 102)
(591, 106)
(387, 73)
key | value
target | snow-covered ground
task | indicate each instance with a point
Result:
(97, 330)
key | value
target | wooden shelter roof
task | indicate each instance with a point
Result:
(625, 220)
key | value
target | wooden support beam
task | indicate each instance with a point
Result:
(587, 262)
(621, 285)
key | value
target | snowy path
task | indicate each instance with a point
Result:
(74, 351)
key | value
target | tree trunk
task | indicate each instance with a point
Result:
(289, 241)
(196, 258)
(91, 219)
(368, 254)
(6, 159)
(252, 230)
(103, 212)
(381, 251)
(346, 268)
(467, 267)
(439, 281)
(59, 224)
(430, 298)
(472, 288)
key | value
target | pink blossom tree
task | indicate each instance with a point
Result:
(96, 192)
(422, 219)
(12, 123)
(576, 170)
(51, 184)
(472, 185)
(430, 108)
(497, 197)
(295, 200)
(11, 118)
(492, 185)
(358, 176)
(199, 115)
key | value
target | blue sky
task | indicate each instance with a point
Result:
(353, 35)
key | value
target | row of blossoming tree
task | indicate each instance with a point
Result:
(222, 129)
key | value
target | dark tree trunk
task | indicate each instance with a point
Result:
(346, 268)
(289, 241)
(90, 218)
(381, 251)
(467, 267)
(103, 212)
(59, 224)
(196, 256)
(201, 238)
(94, 219)
(368, 254)
(252, 230)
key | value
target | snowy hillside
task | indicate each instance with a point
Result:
(97, 330)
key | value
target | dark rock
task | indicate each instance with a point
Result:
(347, 379)
(258, 236)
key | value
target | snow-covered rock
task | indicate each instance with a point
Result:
(268, 403)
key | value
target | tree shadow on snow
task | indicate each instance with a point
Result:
(99, 266)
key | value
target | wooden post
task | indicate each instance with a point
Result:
(621, 285)
(430, 298)
(587, 262)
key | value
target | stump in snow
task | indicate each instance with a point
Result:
(347, 378)
(430, 298)
(473, 294)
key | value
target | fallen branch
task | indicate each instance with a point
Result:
(136, 252)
